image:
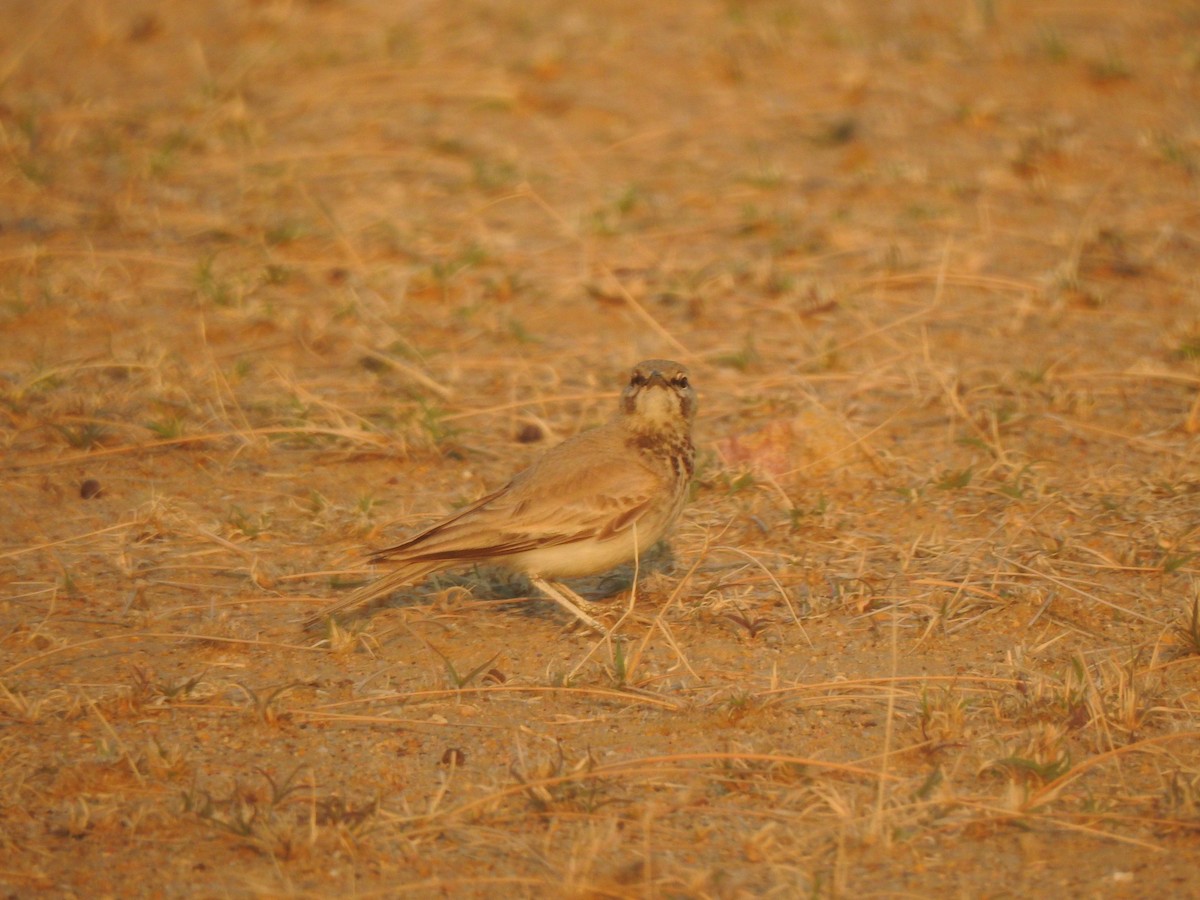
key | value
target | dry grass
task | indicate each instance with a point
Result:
(280, 280)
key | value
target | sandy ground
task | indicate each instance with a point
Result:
(282, 281)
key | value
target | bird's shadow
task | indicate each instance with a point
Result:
(496, 583)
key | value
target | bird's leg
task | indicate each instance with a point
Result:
(567, 599)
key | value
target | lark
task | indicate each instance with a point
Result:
(593, 502)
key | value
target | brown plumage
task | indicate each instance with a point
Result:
(595, 501)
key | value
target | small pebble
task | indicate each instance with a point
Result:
(89, 489)
(529, 434)
(454, 757)
(373, 364)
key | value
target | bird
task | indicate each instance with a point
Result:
(587, 505)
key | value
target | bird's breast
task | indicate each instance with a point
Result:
(586, 557)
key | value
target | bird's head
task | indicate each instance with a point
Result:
(659, 395)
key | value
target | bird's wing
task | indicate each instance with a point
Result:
(559, 500)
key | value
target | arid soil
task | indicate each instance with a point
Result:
(285, 280)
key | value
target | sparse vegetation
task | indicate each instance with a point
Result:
(308, 275)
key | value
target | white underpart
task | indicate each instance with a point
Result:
(580, 558)
(657, 404)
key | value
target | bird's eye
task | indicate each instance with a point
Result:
(680, 381)
(638, 379)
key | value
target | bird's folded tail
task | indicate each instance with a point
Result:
(373, 590)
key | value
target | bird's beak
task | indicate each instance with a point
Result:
(657, 378)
